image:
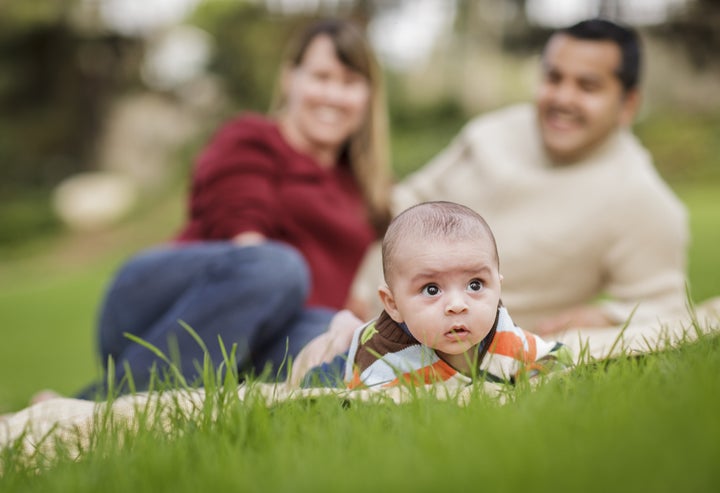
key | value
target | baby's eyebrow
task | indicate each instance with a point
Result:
(429, 275)
(476, 270)
(424, 276)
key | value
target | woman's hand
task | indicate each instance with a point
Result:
(249, 238)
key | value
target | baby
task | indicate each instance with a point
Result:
(443, 318)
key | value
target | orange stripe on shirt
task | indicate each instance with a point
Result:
(532, 347)
(355, 382)
(511, 345)
(437, 372)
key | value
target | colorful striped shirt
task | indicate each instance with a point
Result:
(383, 354)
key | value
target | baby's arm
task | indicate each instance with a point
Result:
(325, 347)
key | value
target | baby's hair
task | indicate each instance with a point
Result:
(431, 221)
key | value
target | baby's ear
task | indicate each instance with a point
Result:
(388, 301)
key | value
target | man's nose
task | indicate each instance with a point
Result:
(564, 92)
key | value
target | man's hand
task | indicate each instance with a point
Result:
(585, 316)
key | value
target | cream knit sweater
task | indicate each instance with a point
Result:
(567, 234)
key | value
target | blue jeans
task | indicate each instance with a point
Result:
(252, 296)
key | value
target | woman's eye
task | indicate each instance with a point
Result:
(431, 290)
(319, 75)
(355, 78)
(475, 285)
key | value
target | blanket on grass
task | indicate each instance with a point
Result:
(38, 428)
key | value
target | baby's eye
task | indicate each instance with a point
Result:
(475, 285)
(431, 290)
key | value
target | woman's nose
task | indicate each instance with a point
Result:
(333, 92)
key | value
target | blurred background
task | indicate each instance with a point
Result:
(105, 103)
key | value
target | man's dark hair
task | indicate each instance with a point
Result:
(624, 36)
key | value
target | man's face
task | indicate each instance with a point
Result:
(580, 101)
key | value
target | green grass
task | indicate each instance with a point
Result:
(49, 300)
(633, 425)
(704, 262)
(47, 334)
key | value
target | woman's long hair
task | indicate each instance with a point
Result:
(367, 150)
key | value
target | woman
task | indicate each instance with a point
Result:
(281, 212)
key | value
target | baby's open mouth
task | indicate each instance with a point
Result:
(457, 333)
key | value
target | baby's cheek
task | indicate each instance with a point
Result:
(488, 320)
(420, 333)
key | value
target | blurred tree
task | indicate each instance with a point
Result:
(248, 43)
(55, 81)
(249, 39)
(697, 27)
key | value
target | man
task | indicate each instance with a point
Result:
(588, 233)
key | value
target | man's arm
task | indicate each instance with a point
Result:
(645, 266)
(581, 316)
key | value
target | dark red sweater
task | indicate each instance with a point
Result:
(250, 179)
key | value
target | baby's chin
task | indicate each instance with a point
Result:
(462, 361)
(456, 349)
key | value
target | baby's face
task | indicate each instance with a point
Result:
(447, 292)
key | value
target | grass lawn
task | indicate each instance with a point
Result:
(49, 301)
(634, 425)
(704, 262)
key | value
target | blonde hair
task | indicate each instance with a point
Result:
(431, 221)
(368, 149)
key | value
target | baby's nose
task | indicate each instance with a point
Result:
(456, 304)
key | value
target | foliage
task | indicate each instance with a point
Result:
(695, 29)
(18, 15)
(249, 44)
(27, 215)
(418, 133)
(685, 146)
(55, 84)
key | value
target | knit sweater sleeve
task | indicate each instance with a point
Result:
(234, 183)
(646, 264)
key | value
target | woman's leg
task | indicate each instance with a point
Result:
(273, 358)
(243, 295)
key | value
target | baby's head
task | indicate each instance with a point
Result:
(434, 221)
(441, 269)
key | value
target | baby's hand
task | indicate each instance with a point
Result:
(323, 349)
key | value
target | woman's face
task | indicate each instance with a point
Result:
(326, 102)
